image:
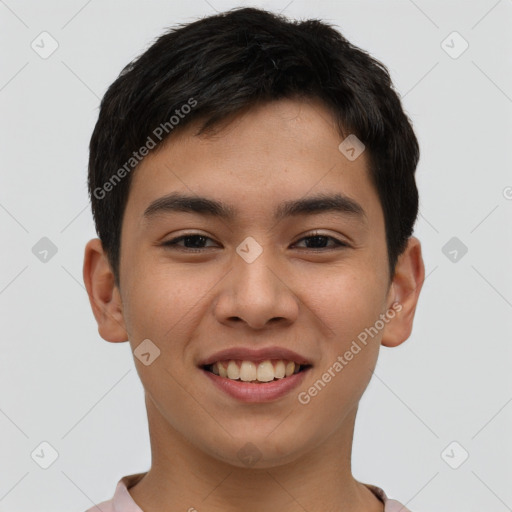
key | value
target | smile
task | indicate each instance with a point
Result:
(254, 390)
(255, 372)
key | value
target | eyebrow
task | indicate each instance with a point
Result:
(321, 203)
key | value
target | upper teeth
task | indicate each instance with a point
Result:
(247, 371)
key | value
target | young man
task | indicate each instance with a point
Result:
(252, 184)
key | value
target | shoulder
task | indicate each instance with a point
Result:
(390, 505)
(122, 500)
(104, 506)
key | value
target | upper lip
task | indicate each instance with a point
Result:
(249, 354)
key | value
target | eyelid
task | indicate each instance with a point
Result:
(339, 243)
(173, 241)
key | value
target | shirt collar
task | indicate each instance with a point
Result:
(123, 501)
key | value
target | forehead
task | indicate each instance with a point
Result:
(267, 155)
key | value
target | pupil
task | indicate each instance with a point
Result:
(194, 240)
(319, 239)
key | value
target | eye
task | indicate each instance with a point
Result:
(318, 241)
(193, 242)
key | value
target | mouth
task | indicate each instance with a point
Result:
(255, 375)
(255, 372)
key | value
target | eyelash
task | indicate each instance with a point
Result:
(174, 242)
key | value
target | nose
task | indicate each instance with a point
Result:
(256, 294)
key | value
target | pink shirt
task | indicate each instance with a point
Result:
(123, 502)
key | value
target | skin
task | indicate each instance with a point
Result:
(312, 300)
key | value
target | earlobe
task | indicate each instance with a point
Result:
(404, 291)
(104, 295)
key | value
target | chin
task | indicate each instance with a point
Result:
(262, 451)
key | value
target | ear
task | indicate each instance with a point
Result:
(103, 294)
(404, 291)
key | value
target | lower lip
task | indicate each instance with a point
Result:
(264, 392)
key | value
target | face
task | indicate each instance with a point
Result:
(267, 265)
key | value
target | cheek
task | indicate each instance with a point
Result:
(349, 303)
(348, 300)
(163, 304)
(147, 305)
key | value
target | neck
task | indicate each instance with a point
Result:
(182, 477)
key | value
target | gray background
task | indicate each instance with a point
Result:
(451, 381)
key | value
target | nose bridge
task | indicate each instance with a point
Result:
(255, 277)
(255, 293)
